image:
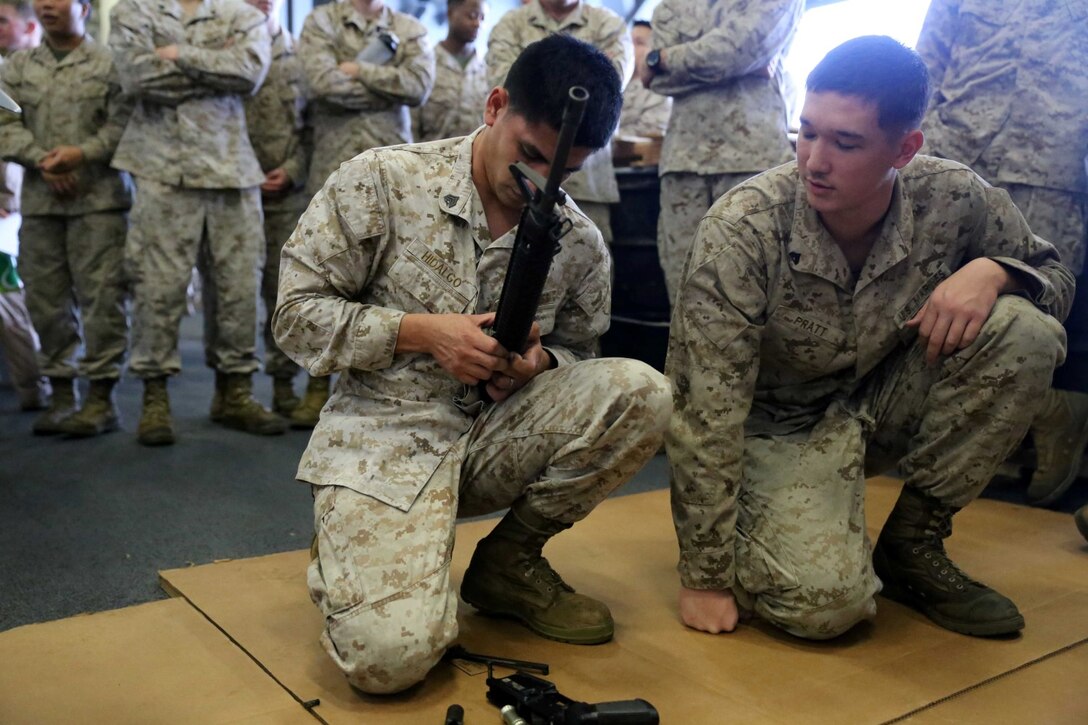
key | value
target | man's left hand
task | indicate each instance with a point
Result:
(646, 73)
(349, 68)
(953, 315)
(276, 182)
(522, 369)
(62, 159)
(167, 52)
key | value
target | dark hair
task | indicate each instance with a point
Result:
(642, 24)
(881, 70)
(540, 80)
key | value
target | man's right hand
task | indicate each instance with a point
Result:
(63, 185)
(457, 342)
(168, 52)
(276, 183)
(349, 68)
(708, 610)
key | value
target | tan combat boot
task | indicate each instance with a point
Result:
(62, 405)
(308, 411)
(284, 400)
(509, 577)
(98, 414)
(215, 412)
(1060, 432)
(35, 396)
(156, 428)
(241, 410)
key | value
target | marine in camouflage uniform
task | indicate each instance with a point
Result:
(454, 106)
(797, 374)
(460, 78)
(279, 131)
(1011, 102)
(19, 343)
(721, 63)
(645, 113)
(400, 237)
(74, 221)
(197, 175)
(356, 105)
(594, 187)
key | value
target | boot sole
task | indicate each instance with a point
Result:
(898, 594)
(91, 432)
(589, 637)
(1082, 524)
(255, 430)
(998, 628)
(51, 429)
(156, 439)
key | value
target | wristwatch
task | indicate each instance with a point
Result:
(653, 60)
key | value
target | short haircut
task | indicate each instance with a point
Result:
(642, 24)
(880, 70)
(540, 80)
(23, 8)
(454, 3)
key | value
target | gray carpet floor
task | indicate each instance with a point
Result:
(85, 525)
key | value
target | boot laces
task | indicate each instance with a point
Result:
(541, 573)
(932, 550)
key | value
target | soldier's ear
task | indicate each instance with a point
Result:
(909, 146)
(497, 100)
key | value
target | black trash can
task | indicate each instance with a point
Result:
(640, 301)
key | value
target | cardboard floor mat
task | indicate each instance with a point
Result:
(161, 662)
(1050, 691)
(625, 554)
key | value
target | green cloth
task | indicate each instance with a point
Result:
(9, 278)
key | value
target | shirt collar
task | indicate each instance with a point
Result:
(43, 54)
(351, 16)
(457, 191)
(458, 197)
(540, 18)
(205, 10)
(813, 250)
(450, 60)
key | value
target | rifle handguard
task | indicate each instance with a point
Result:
(537, 242)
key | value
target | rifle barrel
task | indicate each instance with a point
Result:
(573, 111)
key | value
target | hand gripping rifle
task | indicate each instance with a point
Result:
(539, 231)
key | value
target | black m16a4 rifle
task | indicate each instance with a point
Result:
(539, 231)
